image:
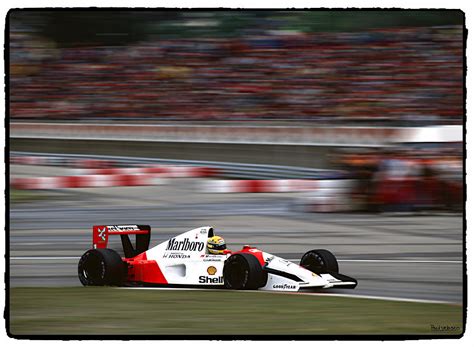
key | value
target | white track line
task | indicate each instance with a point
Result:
(294, 260)
(44, 258)
(354, 296)
(298, 293)
(392, 261)
(373, 297)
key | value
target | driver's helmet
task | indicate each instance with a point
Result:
(216, 245)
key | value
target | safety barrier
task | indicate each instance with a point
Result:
(289, 135)
(273, 186)
(220, 169)
(58, 161)
(327, 194)
(86, 181)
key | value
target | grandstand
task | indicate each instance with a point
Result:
(396, 75)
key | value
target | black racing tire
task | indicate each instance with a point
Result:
(101, 267)
(244, 271)
(319, 261)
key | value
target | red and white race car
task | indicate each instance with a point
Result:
(183, 261)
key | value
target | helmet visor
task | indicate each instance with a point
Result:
(218, 247)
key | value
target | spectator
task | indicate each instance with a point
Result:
(407, 76)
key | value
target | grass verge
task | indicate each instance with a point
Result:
(89, 310)
(17, 196)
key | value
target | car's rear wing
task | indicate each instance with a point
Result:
(100, 237)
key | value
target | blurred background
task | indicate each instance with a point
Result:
(282, 129)
(305, 69)
(340, 67)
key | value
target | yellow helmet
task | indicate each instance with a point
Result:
(216, 245)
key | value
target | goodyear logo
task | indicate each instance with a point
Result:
(211, 270)
(284, 286)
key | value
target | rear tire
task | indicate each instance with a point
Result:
(244, 271)
(319, 261)
(101, 267)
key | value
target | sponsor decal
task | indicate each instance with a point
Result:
(203, 231)
(176, 256)
(211, 270)
(286, 262)
(101, 233)
(284, 286)
(123, 227)
(184, 245)
(212, 257)
(211, 280)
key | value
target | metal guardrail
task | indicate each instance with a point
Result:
(233, 134)
(230, 170)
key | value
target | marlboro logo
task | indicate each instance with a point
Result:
(184, 245)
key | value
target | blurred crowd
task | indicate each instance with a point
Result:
(408, 179)
(402, 76)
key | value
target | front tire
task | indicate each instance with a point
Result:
(101, 267)
(244, 271)
(319, 261)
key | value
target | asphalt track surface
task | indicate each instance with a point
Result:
(412, 256)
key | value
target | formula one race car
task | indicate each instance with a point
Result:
(185, 261)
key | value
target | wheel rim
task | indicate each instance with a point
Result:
(92, 270)
(314, 261)
(236, 275)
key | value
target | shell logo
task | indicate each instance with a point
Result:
(211, 270)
